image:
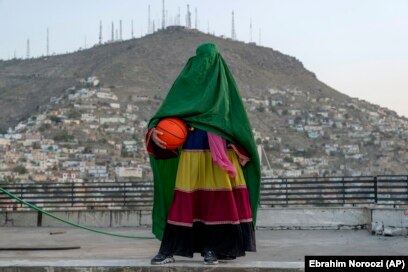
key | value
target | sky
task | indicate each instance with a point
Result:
(359, 48)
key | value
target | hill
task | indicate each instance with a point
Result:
(95, 103)
(146, 66)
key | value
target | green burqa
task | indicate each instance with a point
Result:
(205, 96)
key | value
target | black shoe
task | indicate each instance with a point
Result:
(210, 257)
(225, 257)
(162, 259)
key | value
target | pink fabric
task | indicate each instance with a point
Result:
(218, 148)
(242, 157)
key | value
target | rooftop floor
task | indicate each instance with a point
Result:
(278, 250)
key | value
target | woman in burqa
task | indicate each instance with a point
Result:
(205, 193)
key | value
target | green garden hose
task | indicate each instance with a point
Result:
(68, 222)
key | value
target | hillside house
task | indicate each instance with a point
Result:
(295, 92)
(130, 116)
(351, 149)
(130, 146)
(103, 95)
(71, 165)
(331, 148)
(129, 172)
(4, 142)
(140, 98)
(114, 105)
(295, 112)
(313, 134)
(293, 173)
(100, 151)
(39, 177)
(354, 156)
(107, 120)
(273, 92)
(88, 117)
(125, 129)
(71, 176)
(98, 171)
(277, 102)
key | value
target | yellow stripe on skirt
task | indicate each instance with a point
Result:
(198, 171)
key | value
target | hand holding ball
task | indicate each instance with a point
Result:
(173, 132)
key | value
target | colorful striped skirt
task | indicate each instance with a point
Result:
(210, 210)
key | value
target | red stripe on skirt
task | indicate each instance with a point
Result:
(211, 207)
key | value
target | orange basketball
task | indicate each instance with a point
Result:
(174, 132)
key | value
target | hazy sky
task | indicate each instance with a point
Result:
(359, 47)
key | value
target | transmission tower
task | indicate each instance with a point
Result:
(131, 26)
(149, 27)
(120, 29)
(233, 34)
(28, 48)
(48, 41)
(250, 30)
(113, 32)
(100, 32)
(163, 16)
(196, 19)
(188, 17)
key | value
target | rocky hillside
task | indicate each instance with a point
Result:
(100, 99)
(145, 66)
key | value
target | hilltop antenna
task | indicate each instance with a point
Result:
(113, 37)
(116, 34)
(196, 20)
(250, 30)
(48, 41)
(163, 16)
(233, 34)
(149, 27)
(208, 27)
(188, 17)
(100, 32)
(120, 29)
(15, 54)
(178, 16)
(132, 29)
(28, 48)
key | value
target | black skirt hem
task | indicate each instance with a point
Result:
(227, 241)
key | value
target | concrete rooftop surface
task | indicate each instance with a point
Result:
(278, 250)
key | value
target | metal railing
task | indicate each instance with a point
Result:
(275, 192)
(335, 191)
(80, 196)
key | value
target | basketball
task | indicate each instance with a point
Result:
(174, 132)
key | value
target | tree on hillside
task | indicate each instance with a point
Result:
(20, 169)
